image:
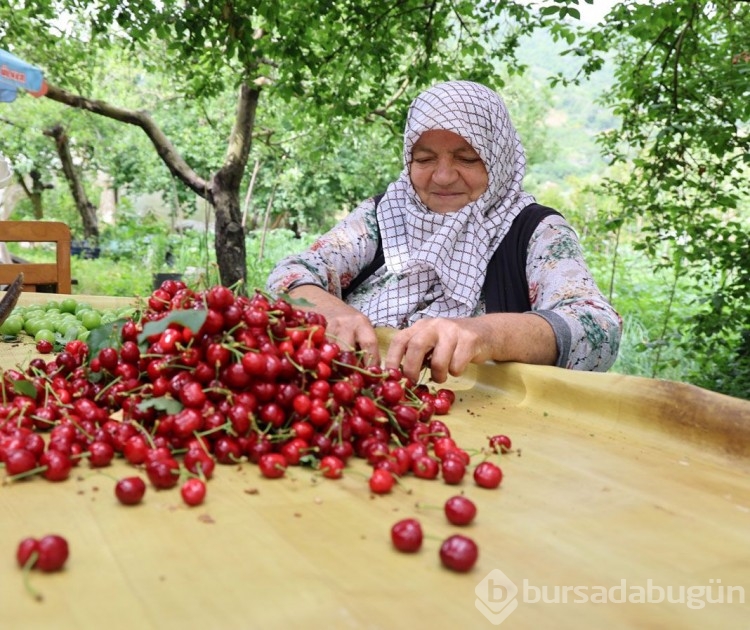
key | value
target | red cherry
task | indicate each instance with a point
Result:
(442, 445)
(130, 352)
(459, 454)
(459, 510)
(108, 358)
(308, 357)
(58, 465)
(163, 473)
(193, 491)
(459, 553)
(129, 331)
(392, 392)
(453, 470)
(448, 394)
(381, 481)
(43, 346)
(319, 389)
(227, 450)
(406, 416)
(301, 429)
(198, 462)
(18, 461)
(488, 475)
(130, 490)
(437, 430)
(219, 297)
(53, 552)
(331, 466)
(135, 449)
(272, 465)
(442, 405)
(293, 450)
(100, 454)
(343, 392)
(406, 535)
(192, 395)
(25, 548)
(425, 467)
(500, 443)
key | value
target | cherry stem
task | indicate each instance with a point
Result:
(401, 485)
(224, 427)
(106, 387)
(27, 473)
(29, 564)
(428, 506)
(99, 471)
(201, 476)
(146, 435)
(43, 420)
(356, 368)
(81, 429)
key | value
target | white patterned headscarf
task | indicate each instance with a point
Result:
(439, 261)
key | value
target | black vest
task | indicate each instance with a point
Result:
(506, 288)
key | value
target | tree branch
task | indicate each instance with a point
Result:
(240, 140)
(166, 151)
(677, 50)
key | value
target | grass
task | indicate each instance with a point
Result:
(129, 271)
(648, 347)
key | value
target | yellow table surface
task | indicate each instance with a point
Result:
(619, 482)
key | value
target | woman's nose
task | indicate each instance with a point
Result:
(445, 172)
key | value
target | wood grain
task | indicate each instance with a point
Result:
(614, 478)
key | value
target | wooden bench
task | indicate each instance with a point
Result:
(38, 275)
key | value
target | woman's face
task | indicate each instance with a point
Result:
(446, 171)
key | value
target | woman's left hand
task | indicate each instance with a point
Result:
(447, 346)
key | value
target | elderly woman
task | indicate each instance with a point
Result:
(457, 255)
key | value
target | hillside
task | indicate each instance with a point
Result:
(574, 116)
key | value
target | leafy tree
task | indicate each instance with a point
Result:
(352, 61)
(683, 98)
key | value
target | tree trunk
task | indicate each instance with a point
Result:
(35, 192)
(231, 254)
(35, 195)
(229, 237)
(85, 208)
(222, 191)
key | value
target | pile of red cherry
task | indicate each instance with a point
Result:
(210, 377)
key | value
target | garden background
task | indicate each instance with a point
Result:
(212, 139)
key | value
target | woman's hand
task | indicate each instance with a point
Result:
(346, 325)
(448, 346)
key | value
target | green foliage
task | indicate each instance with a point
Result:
(681, 94)
(265, 251)
(700, 157)
(665, 236)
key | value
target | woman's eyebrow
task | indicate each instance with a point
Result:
(424, 149)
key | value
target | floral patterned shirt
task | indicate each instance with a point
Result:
(561, 287)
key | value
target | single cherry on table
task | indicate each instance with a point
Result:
(51, 553)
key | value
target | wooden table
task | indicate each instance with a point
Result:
(620, 483)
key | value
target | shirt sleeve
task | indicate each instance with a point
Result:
(333, 260)
(563, 292)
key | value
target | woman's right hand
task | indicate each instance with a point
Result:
(346, 325)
